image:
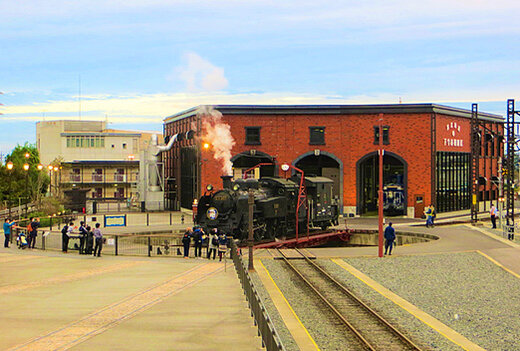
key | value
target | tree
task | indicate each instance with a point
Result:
(18, 183)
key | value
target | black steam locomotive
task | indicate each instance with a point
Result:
(275, 204)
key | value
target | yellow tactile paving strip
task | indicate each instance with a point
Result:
(432, 322)
(298, 331)
(67, 278)
(499, 264)
(10, 258)
(108, 317)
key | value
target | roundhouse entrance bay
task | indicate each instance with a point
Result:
(427, 153)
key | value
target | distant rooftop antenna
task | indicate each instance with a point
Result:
(79, 96)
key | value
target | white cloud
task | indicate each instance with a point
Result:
(199, 74)
(153, 108)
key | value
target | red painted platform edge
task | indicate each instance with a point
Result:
(307, 241)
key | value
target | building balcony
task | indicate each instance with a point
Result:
(101, 178)
(96, 178)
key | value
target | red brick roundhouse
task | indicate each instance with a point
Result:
(426, 159)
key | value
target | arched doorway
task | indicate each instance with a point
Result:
(324, 164)
(247, 159)
(394, 184)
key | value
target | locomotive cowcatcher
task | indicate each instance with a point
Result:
(275, 206)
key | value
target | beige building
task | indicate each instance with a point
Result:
(103, 162)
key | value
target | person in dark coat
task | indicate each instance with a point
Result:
(90, 241)
(82, 237)
(65, 238)
(34, 233)
(222, 246)
(197, 239)
(389, 238)
(186, 240)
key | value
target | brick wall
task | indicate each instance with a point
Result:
(348, 137)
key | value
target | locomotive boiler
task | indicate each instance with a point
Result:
(275, 206)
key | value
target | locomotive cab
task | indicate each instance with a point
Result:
(323, 208)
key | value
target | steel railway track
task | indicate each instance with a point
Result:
(372, 331)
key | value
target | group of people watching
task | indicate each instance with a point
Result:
(90, 241)
(24, 239)
(214, 242)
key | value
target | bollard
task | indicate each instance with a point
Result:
(117, 236)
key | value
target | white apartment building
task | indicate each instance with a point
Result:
(102, 162)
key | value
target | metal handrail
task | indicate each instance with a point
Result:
(270, 338)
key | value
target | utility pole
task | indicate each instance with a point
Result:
(380, 193)
(250, 240)
(510, 166)
(500, 191)
(475, 156)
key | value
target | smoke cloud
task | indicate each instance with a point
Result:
(200, 74)
(218, 134)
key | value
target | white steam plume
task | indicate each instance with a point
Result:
(218, 134)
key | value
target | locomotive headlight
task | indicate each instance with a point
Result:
(236, 187)
(209, 187)
(285, 167)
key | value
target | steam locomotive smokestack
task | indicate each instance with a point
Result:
(226, 181)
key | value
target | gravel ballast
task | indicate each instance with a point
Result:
(465, 291)
(318, 320)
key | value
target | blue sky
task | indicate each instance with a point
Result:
(140, 61)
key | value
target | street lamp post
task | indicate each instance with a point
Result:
(9, 166)
(49, 167)
(380, 202)
(26, 169)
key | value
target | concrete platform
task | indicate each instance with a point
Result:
(52, 301)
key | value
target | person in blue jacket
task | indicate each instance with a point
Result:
(389, 238)
(7, 231)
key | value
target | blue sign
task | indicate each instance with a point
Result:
(115, 221)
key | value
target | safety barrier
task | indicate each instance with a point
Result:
(114, 244)
(270, 338)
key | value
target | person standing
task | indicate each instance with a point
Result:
(98, 236)
(222, 246)
(389, 238)
(82, 237)
(493, 213)
(29, 231)
(433, 214)
(212, 243)
(90, 241)
(65, 238)
(186, 240)
(428, 213)
(197, 238)
(34, 232)
(7, 231)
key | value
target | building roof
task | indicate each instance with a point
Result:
(102, 162)
(101, 134)
(336, 110)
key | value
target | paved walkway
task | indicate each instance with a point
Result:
(52, 301)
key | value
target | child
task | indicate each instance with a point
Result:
(23, 241)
